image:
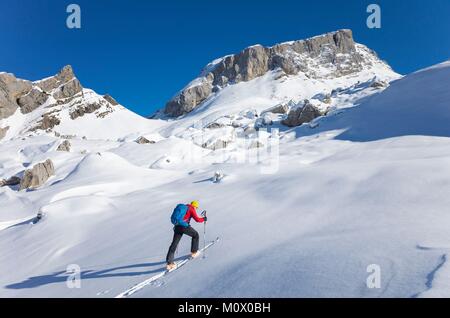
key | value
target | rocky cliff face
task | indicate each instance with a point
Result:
(17, 93)
(11, 89)
(54, 96)
(300, 115)
(38, 175)
(3, 131)
(330, 55)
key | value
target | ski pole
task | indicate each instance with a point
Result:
(204, 235)
(176, 250)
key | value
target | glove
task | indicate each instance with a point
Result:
(205, 218)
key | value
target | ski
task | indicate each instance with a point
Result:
(163, 273)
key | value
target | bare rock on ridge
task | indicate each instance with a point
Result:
(3, 132)
(301, 115)
(65, 83)
(337, 49)
(64, 146)
(142, 140)
(32, 100)
(10, 182)
(38, 175)
(11, 88)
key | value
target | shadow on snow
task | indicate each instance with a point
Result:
(62, 276)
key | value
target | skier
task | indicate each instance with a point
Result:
(181, 218)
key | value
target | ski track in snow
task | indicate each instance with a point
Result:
(157, 278)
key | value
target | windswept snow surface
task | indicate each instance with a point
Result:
(369, 185)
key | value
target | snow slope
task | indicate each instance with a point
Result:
(368, 185)
(395, 112)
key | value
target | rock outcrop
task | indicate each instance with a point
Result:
(62, 85)
(335, 52)
(278, 109)
(81, 110)
(49, 102)
(242, 67)
(188, 99)
(301, 115)
(214, 125)
(10, 182)
(38, 175)
(16, 93)
(47, 122)
(218, 176)
(378, 83)
(11, 89)
(3, 132)
(64, 146)
(32, 100)
(68, 90)
(110, 100)
(142, 140)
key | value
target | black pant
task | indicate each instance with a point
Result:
(178, 233)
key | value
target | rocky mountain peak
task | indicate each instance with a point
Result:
(57, 97)
(62, 85)
(65, 75)
(17, 93)
(334, 54)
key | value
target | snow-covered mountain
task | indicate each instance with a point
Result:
(59, 105)
(291, 71)
(355, 175)
(233, 98)
(259, 87)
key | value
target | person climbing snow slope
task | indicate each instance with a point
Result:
(181, 218)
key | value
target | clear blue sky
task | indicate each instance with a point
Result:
(142, 52)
